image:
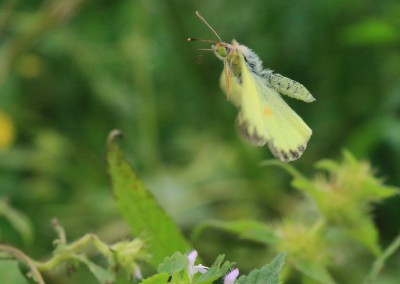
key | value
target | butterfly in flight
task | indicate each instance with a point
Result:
(264, 117)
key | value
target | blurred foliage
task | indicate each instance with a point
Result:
(123, 255)
(6, 131)
(334, 218)
(72, 70)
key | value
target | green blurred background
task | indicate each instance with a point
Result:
(73, 70)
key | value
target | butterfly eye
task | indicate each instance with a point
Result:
(223, 51)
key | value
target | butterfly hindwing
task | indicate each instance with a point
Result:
(265, 118)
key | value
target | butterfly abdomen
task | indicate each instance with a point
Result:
(288, 87)
(281, 84)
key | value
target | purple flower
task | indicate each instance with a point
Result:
(231, 276)
(193, 269)
(138, 272)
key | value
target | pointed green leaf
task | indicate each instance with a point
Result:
(315, 271)
(309, 188)
(217, 270)
(140, 209)
(161, 278)
(376, 192)
(173, 264)
(102, 275)
(328, 165)
(246, 229)
(366, 233)
(268, 274)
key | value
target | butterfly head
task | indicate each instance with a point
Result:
(222, 50)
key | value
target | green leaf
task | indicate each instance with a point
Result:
(246, 229)
(216, 271)
(10, 272)
(366, 233)
(328, 165)
(308, 187)
(18, 220)
(379, 191)
(140, 209)
(173, 264)
(102, 275)
(315, 271)
(161, 278)
(268, 274)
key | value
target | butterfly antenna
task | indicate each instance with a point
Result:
(199, 39)
(208, 25)
(205, 49)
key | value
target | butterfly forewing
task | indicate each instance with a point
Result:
(265, 118)
(231, 87)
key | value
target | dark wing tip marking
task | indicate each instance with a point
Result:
(243, 129)
(287, 156)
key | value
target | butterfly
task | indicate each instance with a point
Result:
(264, 118)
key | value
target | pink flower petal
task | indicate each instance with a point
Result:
(231, 276)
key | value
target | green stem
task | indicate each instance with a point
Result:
(381, 260)
(70, 251)
(34, 272)
(54, 261)
(290, 169)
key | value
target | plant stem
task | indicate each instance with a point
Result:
(34, 272)
(381, 260)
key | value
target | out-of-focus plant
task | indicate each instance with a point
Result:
(143, 215)
(342, 201)
(19, 221)
(70, 72)
(335, 216)
(53, 13)
(123, 255)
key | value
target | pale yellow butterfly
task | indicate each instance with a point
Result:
(264, 117)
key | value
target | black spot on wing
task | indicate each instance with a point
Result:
(295, 155)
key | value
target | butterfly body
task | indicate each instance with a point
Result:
(264, 117)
